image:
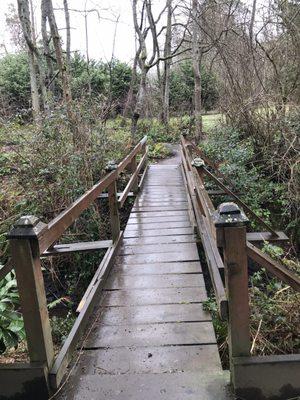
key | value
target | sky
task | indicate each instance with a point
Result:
(101, 28)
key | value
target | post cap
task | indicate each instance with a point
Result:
(198, 162)
(229, 214)
(27, 221)
(27, 227)
(111, 166)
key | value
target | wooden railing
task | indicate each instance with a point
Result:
(31, 239)
(227, 246)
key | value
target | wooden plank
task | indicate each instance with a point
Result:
(158, 257)
(134, 360)
(166, 313)
(137, 209)
(135, 219)
(189, 385)
(158, 248)
(60, 365)
(158, 232)
(274, 267)
(159, 203)
(140, 241)
(77, 247)
(120, 281)
(153, 335)
(105, 195)
(162, 225)
(159, 214)
(154, 296)
(188, 267)
(267, 236)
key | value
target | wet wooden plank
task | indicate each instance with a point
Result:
(137, 209)
(152, 335)
(175, 218)
(154, 225)
(160, 268)
(157, 248)
(172, 386)
(78, 247)
(154, 296)
(120, 281)
(158, 257)
(160, 203)
(158, 214)
(135, 315)
(158, 232)
(140, 241)
(262, 236)
(157, 360)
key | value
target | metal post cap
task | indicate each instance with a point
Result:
(229, 214)
(198, 162)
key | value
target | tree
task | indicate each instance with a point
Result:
(196, 57)
(144, 24)
(167, 64)
(24, 16)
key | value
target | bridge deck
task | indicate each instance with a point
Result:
(153, 340)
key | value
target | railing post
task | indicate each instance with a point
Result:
(230, 223)
(24, 244)
(113, 204)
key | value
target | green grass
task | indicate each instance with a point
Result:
(211, 120)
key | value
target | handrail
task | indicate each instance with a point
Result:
(61, 223)
(31, 239)
(274, 267)
(203, 221)
(6, 269)
(225, 230)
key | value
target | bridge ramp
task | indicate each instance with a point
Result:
(152, 338)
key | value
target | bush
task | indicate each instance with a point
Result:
(11, 321)
(15, 82)
(182, 88)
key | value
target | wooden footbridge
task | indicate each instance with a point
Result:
(141, 330)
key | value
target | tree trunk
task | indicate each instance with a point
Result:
(47, 53)
(66, 88)
(68, 33)
(24, 16)
(196, 54)
(130, 96)
(140, 102)
(167, 65)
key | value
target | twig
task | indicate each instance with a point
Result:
(255, 337)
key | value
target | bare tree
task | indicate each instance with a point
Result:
(68, 32)
(61, 63)
(145, 24)
(196, 58)
(24, 15)
(46, 47)
(167, 64)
